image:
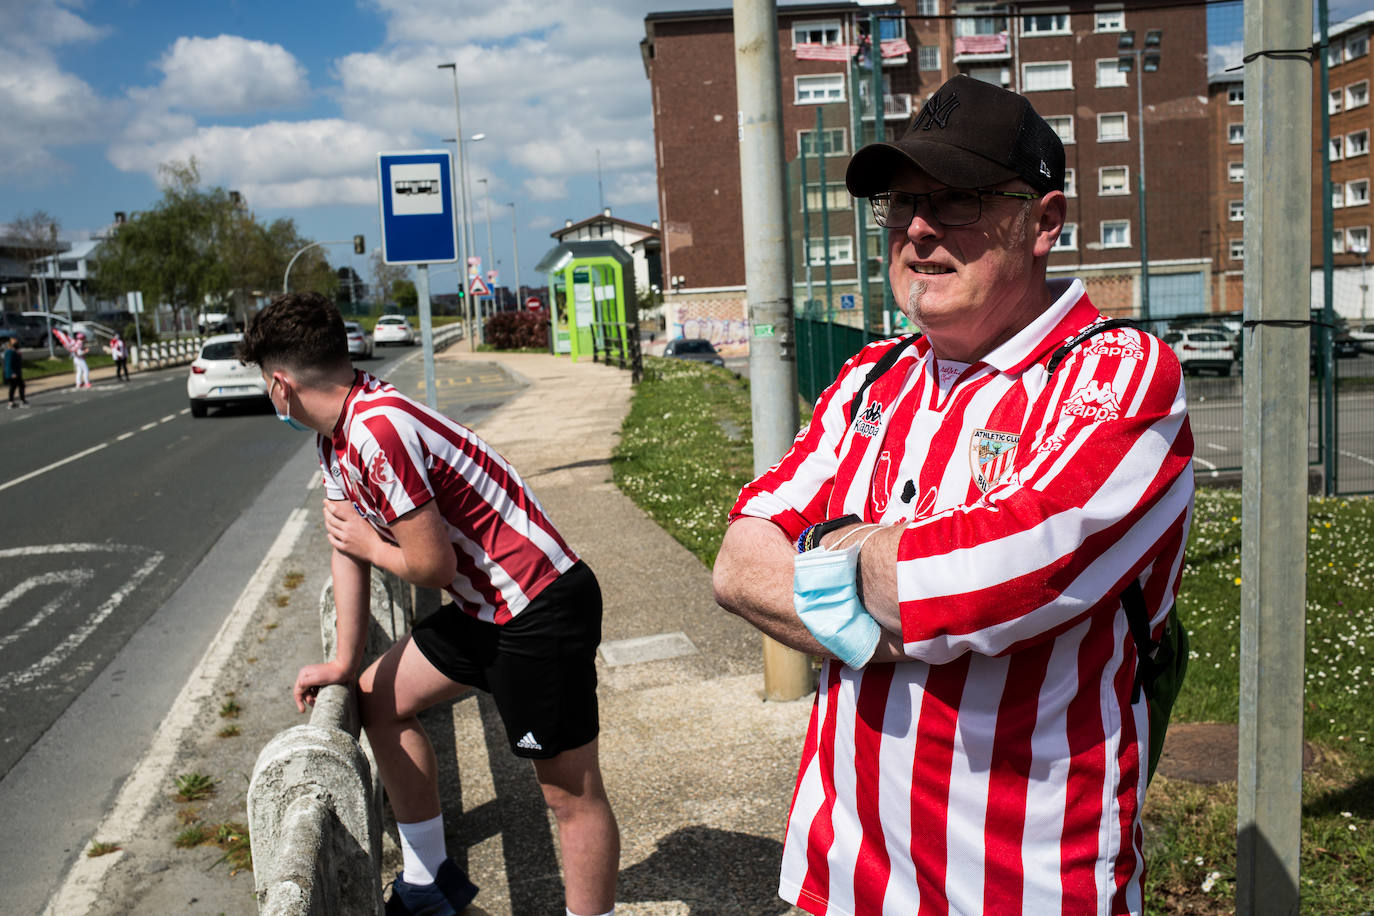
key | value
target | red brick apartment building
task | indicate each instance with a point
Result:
(1064, 56)
(1350, 73)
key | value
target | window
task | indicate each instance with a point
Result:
(1237, 249)
(1335, 148)
(1113, 180)
(1047, 75)
(1045, 24)
(1108, 75)
(927, 7)
(1063, 126)
(1357, 143)
(1109, 18)
(1068, 238)
(1334, 103)
(1235, 94)
(1357, 94)
(1337, 196)
(928, 57)
(820, 88)
(1338, 242)
(1235, 132)
(833, 142)
(841, 250)
(1116, 233)
(1357, 192)
(1235, 171)
(836, 197)
(816, 32)
(1111, 126)
(1235, 210)
(1358, 46)
(1357, 239)
(1070, 183)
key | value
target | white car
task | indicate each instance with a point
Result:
(393, 329)
(359, 341)
(218, 377)
(1364, 335)
(1202, 349)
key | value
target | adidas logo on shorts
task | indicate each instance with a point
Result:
(528, 743)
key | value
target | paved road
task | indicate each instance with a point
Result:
(132, 528)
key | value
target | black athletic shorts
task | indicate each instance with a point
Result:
(539, 667)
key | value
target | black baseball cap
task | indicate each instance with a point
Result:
(969, 134)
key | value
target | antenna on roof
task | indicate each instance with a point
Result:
(600, 196)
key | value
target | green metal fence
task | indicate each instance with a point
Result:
(822, 348)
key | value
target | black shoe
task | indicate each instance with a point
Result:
(449, 894)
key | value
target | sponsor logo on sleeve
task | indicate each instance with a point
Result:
(1096, 401)
(1119, 343)
(991, 454)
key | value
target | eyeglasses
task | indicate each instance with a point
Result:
(949, 206)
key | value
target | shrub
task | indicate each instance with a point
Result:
(517, 330)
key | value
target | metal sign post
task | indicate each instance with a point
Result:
(415, 197)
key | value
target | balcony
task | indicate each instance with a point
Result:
(896, 105)
(975, 48)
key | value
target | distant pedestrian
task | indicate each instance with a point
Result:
(14, 373)
(79, 351)
(120, 354)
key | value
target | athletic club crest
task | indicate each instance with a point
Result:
(380, 471)
(990, 456)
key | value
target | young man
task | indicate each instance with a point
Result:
(79, 351)
(120, 354)
(959, 537)
(413, 492)
(14, 373)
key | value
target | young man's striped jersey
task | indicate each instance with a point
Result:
(390, 455)
(1001, 770)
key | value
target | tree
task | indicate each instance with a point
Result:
(407, 298)
(34, 236)
(386, 277)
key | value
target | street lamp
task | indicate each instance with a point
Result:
(486, 205)
(515, 247)
(462, 177)
(1364, 281)
(1127, 54)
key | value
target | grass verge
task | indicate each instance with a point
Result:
(686, 450)
(42, 368)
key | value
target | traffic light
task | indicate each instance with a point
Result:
(358, 245)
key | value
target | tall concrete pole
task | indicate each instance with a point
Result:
(1278, 226)
(768, 278)
(463, 209)
(515, 251)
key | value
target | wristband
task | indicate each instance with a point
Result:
(811, 537)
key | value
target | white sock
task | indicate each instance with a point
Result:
(610, 912)
(422, 850)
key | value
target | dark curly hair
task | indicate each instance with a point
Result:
(299, 331)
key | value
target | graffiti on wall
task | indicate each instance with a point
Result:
(725, 334)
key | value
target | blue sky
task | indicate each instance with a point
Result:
(290, 101)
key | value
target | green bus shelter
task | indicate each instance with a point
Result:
(592, 306)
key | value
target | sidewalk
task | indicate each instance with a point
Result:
(699, 768)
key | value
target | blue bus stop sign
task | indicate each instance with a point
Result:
(415, 192)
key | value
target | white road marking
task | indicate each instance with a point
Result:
(74, 579)
(170, 416)
(147, 426)
(1352, 455)
(34, 550)
(122, 436)
(83, 632)
(1216, 448)
(82, 454)
(80, 890)
(316, 479)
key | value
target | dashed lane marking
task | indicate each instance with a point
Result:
(90, 451)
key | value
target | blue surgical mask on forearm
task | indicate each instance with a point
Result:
(825, 595)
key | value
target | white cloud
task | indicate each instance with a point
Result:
(45, 23)
(229, 74)
(545, 188)
(1223, 56)
(41, 107)
(633, 188)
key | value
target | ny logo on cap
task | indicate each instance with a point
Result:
(936, 111)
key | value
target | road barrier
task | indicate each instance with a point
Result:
(314, 801)
(164, 353)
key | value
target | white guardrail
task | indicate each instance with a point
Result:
(315, 801)
(164, 353)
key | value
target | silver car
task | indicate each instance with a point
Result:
(359, 341)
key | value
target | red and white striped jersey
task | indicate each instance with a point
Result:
(116, 348)
(390, 455)
(1000, 770)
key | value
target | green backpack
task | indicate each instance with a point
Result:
(1161, 665)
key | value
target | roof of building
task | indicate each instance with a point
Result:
(790, 9)
(557, 257)
(603, 217)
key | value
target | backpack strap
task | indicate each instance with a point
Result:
(1058, 356)
(884, 363)
(1147, 667)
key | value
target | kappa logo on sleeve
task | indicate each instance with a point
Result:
(380, 471)
(991, 454)
(1096, 401)
(1118, 342)
(870, 420)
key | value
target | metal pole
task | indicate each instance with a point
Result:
(486, 205)
(1140, 177)
(768, 278)
(463, 211)
(825, 234)
(515, 249)
(1278, 128)
(426, 331)
(875, 57)
(1328, 337)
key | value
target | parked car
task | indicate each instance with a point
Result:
(214, 322)
(93, 331)
(218, 378)
(31, 334)
(393, 329)
(359, 341)
(1364, 336)
(1202, 349)
(697, 349)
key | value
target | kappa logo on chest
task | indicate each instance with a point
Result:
(991, 454)
(870, 421)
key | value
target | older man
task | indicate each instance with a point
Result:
(958, 526)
